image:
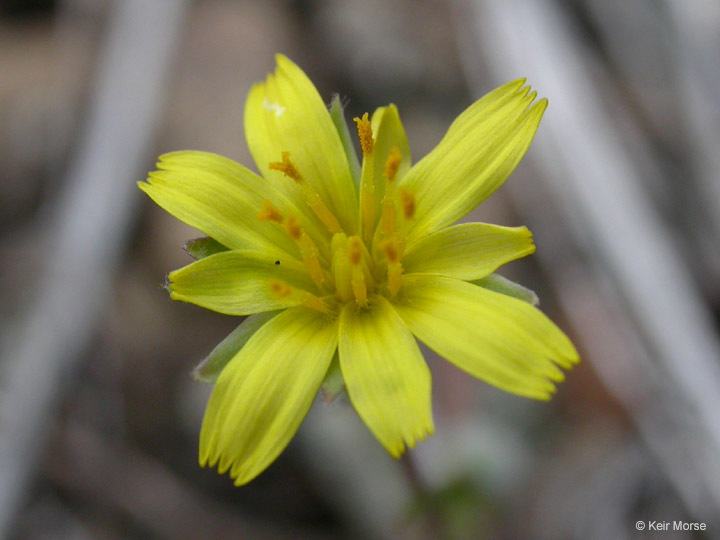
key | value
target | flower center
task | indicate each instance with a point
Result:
(360, 265)
(352, 269)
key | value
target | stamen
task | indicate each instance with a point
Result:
(365, 134)
(367, 178)
(341, 269)
(280, 288)
(309, 252)
(286, 167)
(367, 201)
(312, 197)
(391, 249)
(270, 213)
(355, 250)
(311, 301)
(394, 278)
(321, 211)
(358, 286)
(389, 213)
(407, 201)
(307, 299)
(357, 280)
(293, 228)
(392, 164)
(308, 249)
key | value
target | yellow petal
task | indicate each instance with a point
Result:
(479, 151)
(222, 199)
(238, 282)
(264, 393)
(389, 133)
(286, 114)
(386, 376)
(502, 340)
(468, 251)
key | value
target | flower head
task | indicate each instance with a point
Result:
(341, 267)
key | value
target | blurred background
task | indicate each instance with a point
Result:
(99, 418)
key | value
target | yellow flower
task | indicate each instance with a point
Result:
(334, 260)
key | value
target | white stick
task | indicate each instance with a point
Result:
(87, 232)
(600, 195)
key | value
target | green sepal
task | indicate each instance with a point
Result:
(209, 369)
(499, 284)
(337, 113)
(199, 248)
(334, 384)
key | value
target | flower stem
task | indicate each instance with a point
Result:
(431, 514)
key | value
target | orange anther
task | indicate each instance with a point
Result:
(286, 167)
(355, 250)
(280, 288)
(269, 213)
(392, 164)
(391, 249)
(407, 200)
(293, 228)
